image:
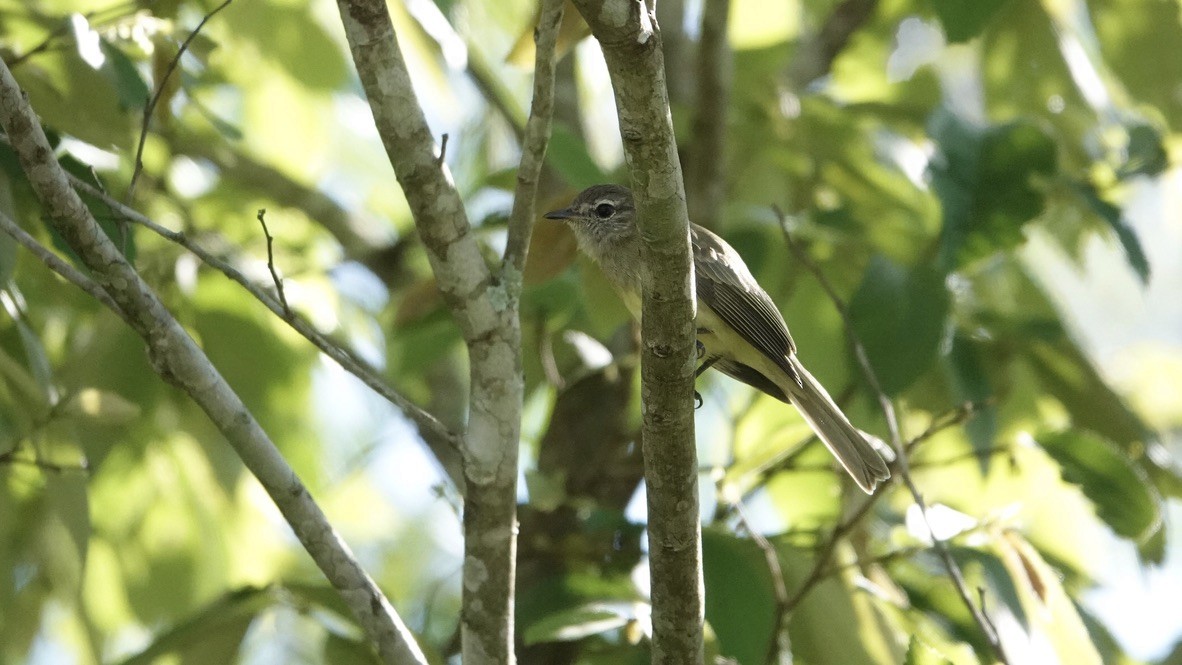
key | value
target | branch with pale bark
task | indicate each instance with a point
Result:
(484, 303)
(176, 357)
(631, 42)
(439, 439)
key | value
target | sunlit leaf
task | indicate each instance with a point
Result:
(1121, 491)
(993, 570)
(919, 653)
(899, 316)
(1113, 216)
(291, 37)
(1051, 614)
(120, 70)
(836, 622)
(213, 634)
(987, 180)
(575, 624)
(969, 380)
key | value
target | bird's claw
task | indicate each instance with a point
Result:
(698, 401)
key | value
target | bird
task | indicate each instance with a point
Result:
(740, 331)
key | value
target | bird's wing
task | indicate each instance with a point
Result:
(725, 285)
(751, 376)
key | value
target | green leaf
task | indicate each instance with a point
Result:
(580, 622)
(740, 606)
(971, 384)
(835, 623)
(340, 650)
(1114, 218)
(568, 154)
(120, 71)
(36, 359)
(66, 532)
(293, 39)
(986, 181)
(965, 19)
(1124, 497)
(1067, 374)
(994, 572)
(1145, 153)
(93, 112)
(899, 315)
(919, 653)
(212, 635)
(1052, 615)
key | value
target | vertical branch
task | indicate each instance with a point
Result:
(706, 177)
(486, 315)
(533, 149)
(483, 303)
(631, 45)
(678, 50)
(178, 359)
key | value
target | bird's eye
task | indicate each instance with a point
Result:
(605, 210)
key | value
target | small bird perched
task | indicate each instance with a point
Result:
(740, 331)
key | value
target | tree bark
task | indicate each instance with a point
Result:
(177, 358)
(483, 302)
(631, 45)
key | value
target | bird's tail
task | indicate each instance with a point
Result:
(850, 445)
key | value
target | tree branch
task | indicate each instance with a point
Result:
(58, 265)
(485, 307)
(533, 149)
(438, 438)
(706, 166)
(150, 107)
(631, 44)
(901, 462)
(814, 58)
(177, 358)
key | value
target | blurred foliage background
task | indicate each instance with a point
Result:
(993, 187)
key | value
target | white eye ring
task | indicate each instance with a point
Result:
(605, 210)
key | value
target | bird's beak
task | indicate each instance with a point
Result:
(565, 213)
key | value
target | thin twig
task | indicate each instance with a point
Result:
(818, 571)
(537, 137)
(779, 642)
(271, 261)
(892, 420)
(428, 425)
(40, 423)
(177, 359)
(830, 546)
(150, 107)
(443, 149)
(58, 265)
